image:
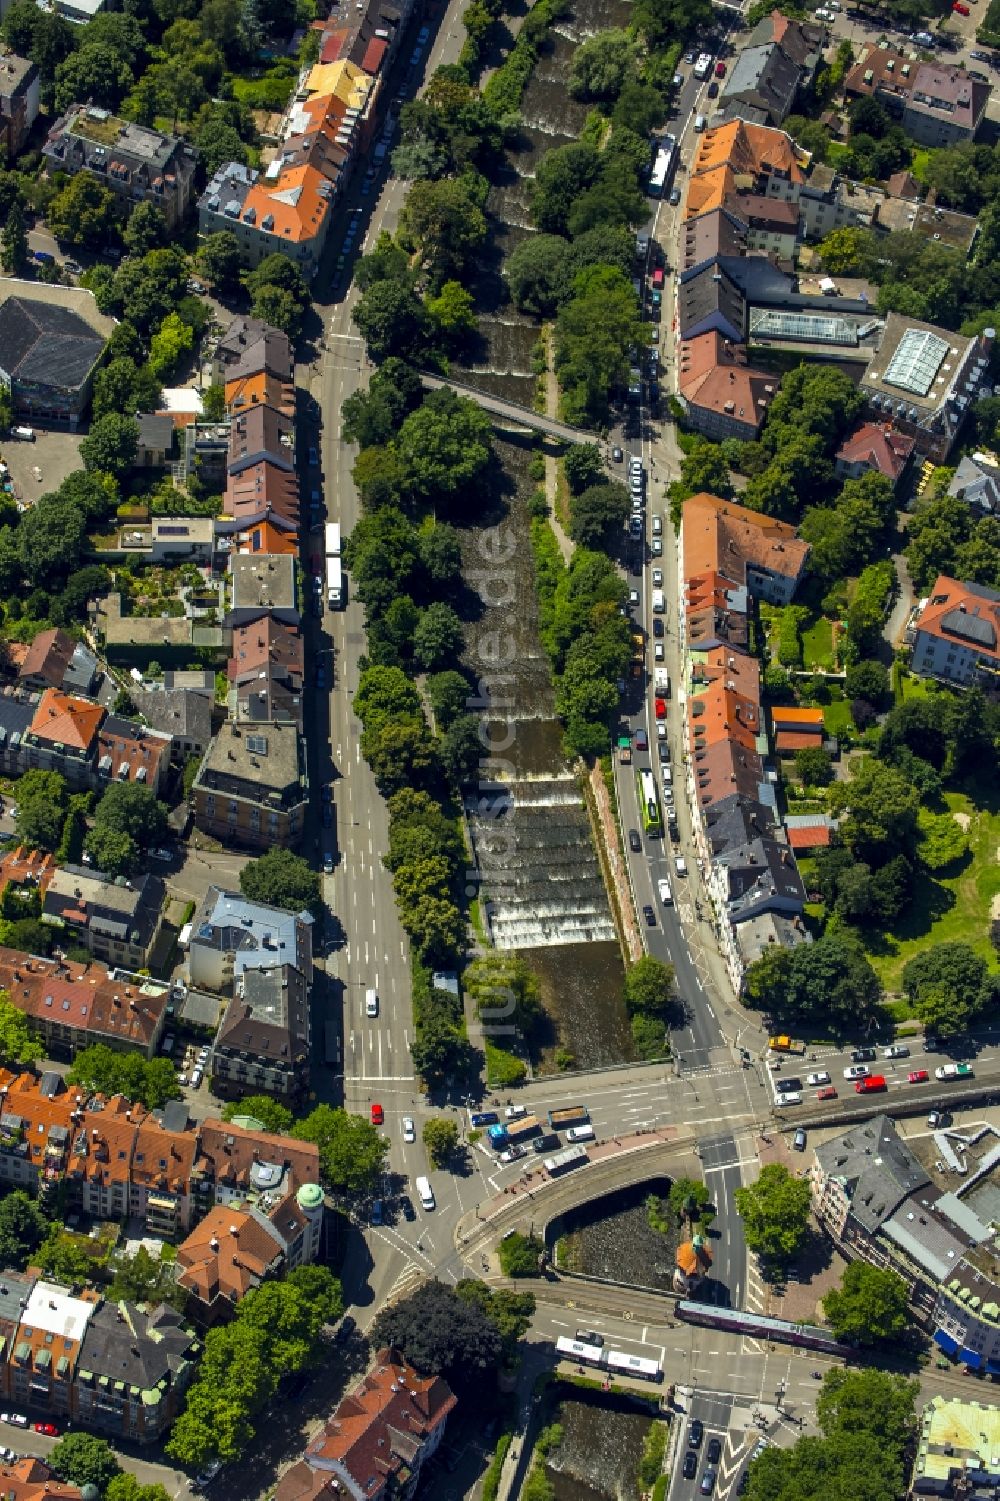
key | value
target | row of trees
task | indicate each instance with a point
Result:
(127, 822)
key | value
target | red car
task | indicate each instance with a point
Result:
(960, 9)
(660, 705)
(918, 1076)
(49, 1429)
(378, 1115)
(829, 1093)
(720, 70)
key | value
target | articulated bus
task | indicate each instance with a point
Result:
(649, 802)
(615, 1362)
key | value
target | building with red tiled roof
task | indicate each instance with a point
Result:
(742, 546)
(28, 869)
(160, 1189)
(807, 832)
(876, 447)
(225, 1256)
(62, 736)
(955, 634)
(376, 1442)
(74, 1005)
(130, 752)
(722, 395)
(47, 659)
(30, 1479)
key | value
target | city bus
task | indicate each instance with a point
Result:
(649, 803)
(614, 1362)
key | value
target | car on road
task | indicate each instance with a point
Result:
(713, 90)
(313, 456)
(660, 708)
(862, 1055)
(937, 1118)
(960, 9)
(616, 455)
(697, 1430)
(661, 735)
(511, 1154)
(634, 842)
(898, 1050)
(409, 1129)
(954, 1071)
(162, 854)
(210, 1471)
(658, 626)
(720, 70)
(829, 1093)
(327, 816)
(406, 1208)
(678, 80)
(15, 1419)
(657, 578)
(182, 1079)
(680, 865)
(659, 652)
(744, 1481)
(824, 15)
(675, 197)
(547, 1143)
(707, 1483)
(714, 1451)
(515, 1112)
(665, 894)
(821, 1078)
(641, 740)
(327, 793)
(857, 1071)
(690, 1465)
(787, 1086)
(689, 57)
(327, 863)
(656, 547)
(378, 1114)
(633, 596)
(197, 1074)
(917, 1076)
(49, 1429)
(787, 1099)
(77, 269)
(377, 1215)
(649, 915)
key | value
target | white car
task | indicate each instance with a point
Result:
(515, 1112)
(657, 547)
(182, 1080)
(657, 578)
(658, 653)
(946, 1071)
(791, 1098)
(824, 15)
(666, 895)
(680, 865)
(197, 1074)
(409, 1129)
(857, 1071)
(661, 729)
(820, 1078)
(16, 1419)
(898, 1050)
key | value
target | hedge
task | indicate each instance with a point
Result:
(505, 89)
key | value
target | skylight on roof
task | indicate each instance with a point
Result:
(918, 358)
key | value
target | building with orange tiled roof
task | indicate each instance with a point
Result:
(74, 1005)
(225, 1256)
(42, 1364)
(954, 634)
(30, 1479)
(247, 389)
(26, 869)
(874, 447)
(63, 734)
(744, 546)
(160, 1188)
(259, 488)
(377, 1441)
(723, 396)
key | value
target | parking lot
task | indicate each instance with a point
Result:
(41, 466)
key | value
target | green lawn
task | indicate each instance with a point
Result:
(837, 717)
(817, 644)
(952, 909)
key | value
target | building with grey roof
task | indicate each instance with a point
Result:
(977, 481)
(250, 346)
(945, 106)
(251, 787)
(114, 919)
(860, 1179)
(752, 938)
(184, 714)
(262, 1046)
(52, 340)
(133, 1367)
(761, 86)
(263, 584)
(20, 97)
(734, 821)
(136, 163)
(801, 41)
(709, 301)
(758, 876)
(231, 935)
(924, 379)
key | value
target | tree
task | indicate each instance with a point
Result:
(440, 1137)
(146, 229)
(948, 985)
(126, 1487)
(218, 260)
(690, 1200)
(868, 680)
(391, 319)
(537, 273)
(881, 808)
(444, 445)
(272, 1115)
(351, 1151)
(123, 386)
(583, 467)
(281, 878)
(133, 809)
(14, 242)
(111, 445)
(597, 515)
(23, 1227)
(172, 341)
(41, 809)
(813, 766)
(50, 540)
(601, 64)
(649, 985)
(84, 1459)
(440, 1334)
(92, 72)
(443, 223)
(113, 853)
(943, 841)
(439, 1051)
(217, 142)
(452, 312)
(104, 1071)
(143, 1279)
(775, 1213)
(562, 175)
(870, 1305)
(449, 693)
(438, 637)
(520, 1255)
(867, 1400)
(595, 331)
(83, 212)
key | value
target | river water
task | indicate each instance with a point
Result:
(602, 1444)
(613, 1238)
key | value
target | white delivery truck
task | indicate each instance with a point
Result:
(703, 66)
(661, 682)
(333, 539)
(659, 604)
(334, 583)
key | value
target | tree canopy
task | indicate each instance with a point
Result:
(775, 1213)
(869, 1307)
(351, 1151)
(441, 1334)
(280, 878)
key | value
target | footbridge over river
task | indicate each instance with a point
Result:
(511, 414)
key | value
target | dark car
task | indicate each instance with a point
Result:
(641, 740)
(690, 1464)
(675, 197)
(862, 1055)
(634, 842)
(406, 1208)
(547, 1143)
(707, 1483)
(696, 1433)
(657, 626)
(713, 90)
(714, 1451)
(345, 1329)
(649, 915)
(744, 1481)
(617, 455)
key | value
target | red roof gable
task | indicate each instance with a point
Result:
(374, 53)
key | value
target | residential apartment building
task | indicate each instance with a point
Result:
(876, 448)
(977, 481)
(266, 671)
(20, 94)
(136, 163)
(183, 714)
(251, 786)
(263, 585)
(81, 741)
(954, 634)
(74, 1005)
(55, 660)
(231, 935)
(262, 1046)
(377, 1441)
(118, 920)
(30, 1479)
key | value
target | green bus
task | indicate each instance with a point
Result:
(649, 802)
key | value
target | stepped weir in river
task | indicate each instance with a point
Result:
(541, 883)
